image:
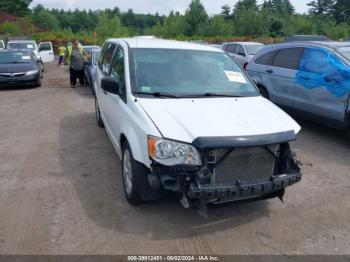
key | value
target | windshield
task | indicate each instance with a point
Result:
(253, 49)
(345, 51)
(188, 72)
(30, 46)
(14, 57)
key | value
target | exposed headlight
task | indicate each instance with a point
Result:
(32, 72)
(171, 153)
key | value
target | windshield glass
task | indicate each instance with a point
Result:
(253, 49)
(14, 57)
(30, 46)
(188, 72)
(345, 51)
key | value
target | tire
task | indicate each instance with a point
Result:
(131, 170)
(264, 92)
(38, 83)
(98, 114)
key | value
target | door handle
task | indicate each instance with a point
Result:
(270, 71)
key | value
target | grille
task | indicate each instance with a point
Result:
(244, 164)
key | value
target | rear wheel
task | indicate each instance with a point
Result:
(131, 170)
(98, 114)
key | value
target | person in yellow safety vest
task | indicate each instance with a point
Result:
(61, 51)
(75, 59)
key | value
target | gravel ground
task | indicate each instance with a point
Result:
(61, 190)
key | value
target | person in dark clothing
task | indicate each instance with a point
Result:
(75, 59)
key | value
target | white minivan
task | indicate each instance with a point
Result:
(185, 118)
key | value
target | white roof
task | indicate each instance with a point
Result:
(164, 44)
(21, 41)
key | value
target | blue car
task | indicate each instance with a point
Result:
(308, 79)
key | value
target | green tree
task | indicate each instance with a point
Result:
(10, 29)
(110, 27)
(320, 7)
(341, 11)
(45, 18)
(282, 7)
(16, 7)
(196, 18)
(226, 12)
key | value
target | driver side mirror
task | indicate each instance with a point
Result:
(110, 84)
(241, 54)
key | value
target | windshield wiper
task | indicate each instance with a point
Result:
(211, 95)
(157, 94)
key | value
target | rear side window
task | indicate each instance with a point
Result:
(107, 58)
(288, 58)
(266, 59)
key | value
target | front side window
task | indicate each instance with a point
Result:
(118, 68)
(188, 73)
(107, 58)
(319, 61)
(288, 58)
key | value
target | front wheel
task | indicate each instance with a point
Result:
(98, 114)
(131, 170)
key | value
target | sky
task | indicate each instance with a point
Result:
(150, 6)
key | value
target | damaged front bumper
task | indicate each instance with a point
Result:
(223, 193)
(231, 174)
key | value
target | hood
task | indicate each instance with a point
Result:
(16, 68)
(187, 119)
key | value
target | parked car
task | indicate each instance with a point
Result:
(88, 48)
(185, 118)
(44, 52)
(90, 69)
(2, 45)
(310, 79)
(19, 68)
(299, 38)
(216, 46)
(243, 52)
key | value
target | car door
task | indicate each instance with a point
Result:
(115, 105)
(104, 70)
(281, 75)
(319, 92)
(46, 52)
